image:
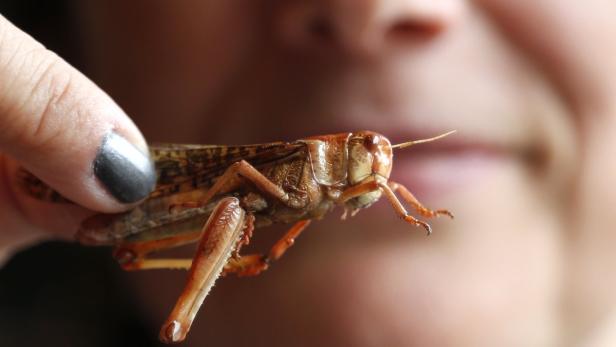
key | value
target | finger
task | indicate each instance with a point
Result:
(65, 130)
(26, 220)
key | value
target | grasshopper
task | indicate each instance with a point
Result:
(217, 195)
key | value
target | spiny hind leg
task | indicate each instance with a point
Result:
(247, 265)
(134, 256)
(410, 198)
(220, 236)
(254, 264)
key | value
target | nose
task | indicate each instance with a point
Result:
(364, 26)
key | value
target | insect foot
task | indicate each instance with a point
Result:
(445, 213)
(415, 221)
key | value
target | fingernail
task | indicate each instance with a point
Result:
(126, 172)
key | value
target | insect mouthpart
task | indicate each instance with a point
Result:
(368, 198)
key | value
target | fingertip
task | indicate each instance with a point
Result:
(68, 132)
(126, 172)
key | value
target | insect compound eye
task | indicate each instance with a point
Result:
(371, 142)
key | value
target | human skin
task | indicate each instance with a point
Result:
(58, 125)
(527, 84)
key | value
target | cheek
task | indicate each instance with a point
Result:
(359, 171)
(558, 36)
(383, 162)
(360, 166)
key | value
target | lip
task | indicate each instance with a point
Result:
(444, 167)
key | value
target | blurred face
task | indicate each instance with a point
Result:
(528, 86)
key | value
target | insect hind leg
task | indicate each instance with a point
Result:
(220, 235)
(134, 256)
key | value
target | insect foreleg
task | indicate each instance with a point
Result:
(220, 235)
(372, 185)
(400, 210)
(357, 190)
(254, 264)
(410, 198)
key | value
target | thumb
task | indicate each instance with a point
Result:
(61, 127)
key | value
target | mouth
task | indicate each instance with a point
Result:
(449, 165)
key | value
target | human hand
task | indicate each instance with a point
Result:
(61, 127)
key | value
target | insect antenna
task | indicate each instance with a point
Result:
(410, 143)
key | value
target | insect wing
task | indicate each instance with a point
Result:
(182, 168)
(185, 174)
(144, 223)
